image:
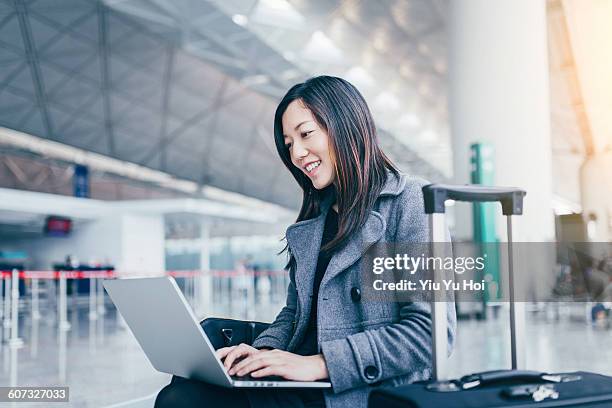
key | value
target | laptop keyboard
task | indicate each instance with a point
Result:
(249, 378)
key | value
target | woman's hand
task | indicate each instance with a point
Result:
(234, 353)
(284, 364)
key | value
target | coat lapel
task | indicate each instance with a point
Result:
(304, 240)
(370, 233)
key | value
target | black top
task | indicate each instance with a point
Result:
(309, 344)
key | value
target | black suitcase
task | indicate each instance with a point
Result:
(502, 388)
(511, 388)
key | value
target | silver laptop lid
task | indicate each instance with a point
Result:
(161, 320)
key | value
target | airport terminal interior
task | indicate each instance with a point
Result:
(136, 140)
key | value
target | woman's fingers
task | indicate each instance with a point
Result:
(269, 370)
(252, 364)
(281, 363)
(248, 360)
(223, 351)
(239, 351)
(255, 363)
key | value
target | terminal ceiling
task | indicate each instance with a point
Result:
(189, 87)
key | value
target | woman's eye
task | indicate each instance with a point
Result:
(304, 134)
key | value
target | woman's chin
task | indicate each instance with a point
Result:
(320, 185)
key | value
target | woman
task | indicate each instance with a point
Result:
(352, 195)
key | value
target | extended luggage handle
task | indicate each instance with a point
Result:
(511, 199)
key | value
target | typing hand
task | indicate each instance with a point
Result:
(230, 355)
(282, 363)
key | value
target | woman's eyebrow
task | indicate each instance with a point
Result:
(297, 126)
(300, 124)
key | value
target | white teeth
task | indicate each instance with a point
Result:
(311, 166)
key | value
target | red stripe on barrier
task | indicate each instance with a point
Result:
(76, 274)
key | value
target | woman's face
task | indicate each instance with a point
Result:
(308, 145)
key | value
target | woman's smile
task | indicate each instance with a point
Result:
(312, 167)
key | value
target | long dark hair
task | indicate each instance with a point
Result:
(360, 165)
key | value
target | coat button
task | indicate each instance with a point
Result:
(356, 294)
(370, 372)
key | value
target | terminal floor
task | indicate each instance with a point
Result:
(104, 366)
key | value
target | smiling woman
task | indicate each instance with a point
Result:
(353, 196)
(327, 120)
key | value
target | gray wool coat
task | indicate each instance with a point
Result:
(365, 344)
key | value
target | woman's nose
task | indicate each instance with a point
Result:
(299, 151)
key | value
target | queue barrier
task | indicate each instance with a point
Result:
(9, 297)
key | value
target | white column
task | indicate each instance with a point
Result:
(499, 93)
(142, 244)
(588, 24)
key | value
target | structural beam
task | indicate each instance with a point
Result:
(32, 58)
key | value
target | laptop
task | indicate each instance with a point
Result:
(169, 333)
